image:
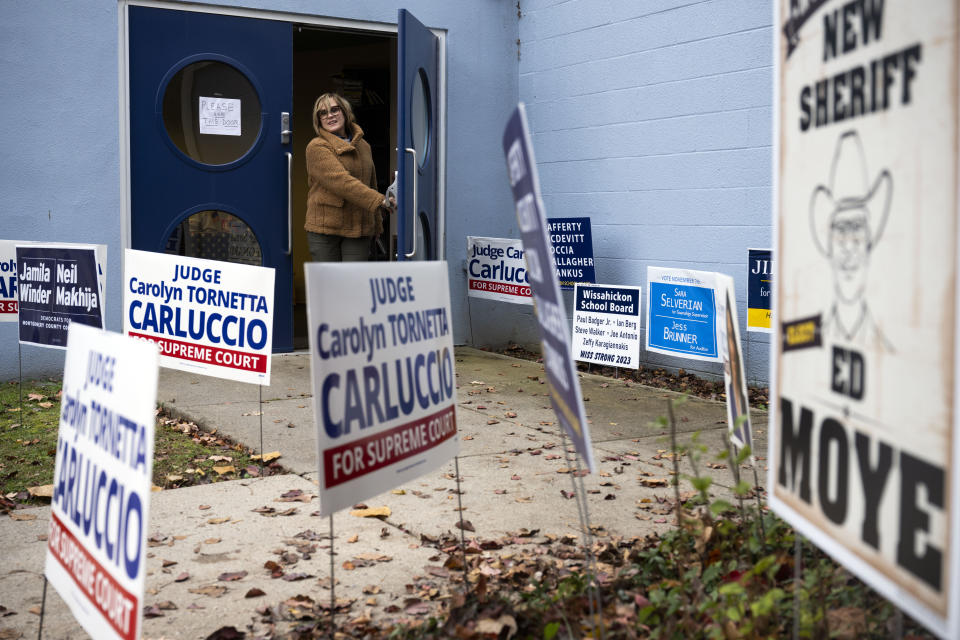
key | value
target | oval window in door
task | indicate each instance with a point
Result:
(215, 235)
(420, 117)
(211, 112)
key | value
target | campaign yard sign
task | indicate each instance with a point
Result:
(565, 394)
(384, 385)
(571, 243)
(56, 285)
(759, 289)
(682, 313)
(100, 509)
(8, 274)
(8, 280)
(734, 365)
(496, 270)
(207, 316)
(864, 434)
(606, 325)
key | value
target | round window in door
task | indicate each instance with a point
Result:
(211, 112)
(420, 116)
(215, 235)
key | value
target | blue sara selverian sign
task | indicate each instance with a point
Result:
(571, 243)
(56, 285)
(682, 313)
(558, 360)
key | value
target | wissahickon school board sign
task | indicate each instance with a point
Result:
(863, 449)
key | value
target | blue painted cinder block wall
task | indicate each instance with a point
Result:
(654, 119)
(60, 141)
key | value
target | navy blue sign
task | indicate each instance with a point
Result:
(682, 317)
(572, 248)
(56, 285)
(558, 361)
(759, 289)
(608, 300)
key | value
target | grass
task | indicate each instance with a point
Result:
(184, 454)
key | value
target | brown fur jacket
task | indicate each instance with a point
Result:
(342, 199)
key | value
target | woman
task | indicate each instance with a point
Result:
(344, 208)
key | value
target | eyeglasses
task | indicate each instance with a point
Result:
(334, 111)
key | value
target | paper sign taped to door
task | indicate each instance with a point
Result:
(219, 116)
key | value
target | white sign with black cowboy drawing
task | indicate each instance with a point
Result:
(863, 445)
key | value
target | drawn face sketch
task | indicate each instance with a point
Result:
(847, 218)
(850, 253)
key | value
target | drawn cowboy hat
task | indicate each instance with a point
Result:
(849, 188)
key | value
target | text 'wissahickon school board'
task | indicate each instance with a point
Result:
(863, 449)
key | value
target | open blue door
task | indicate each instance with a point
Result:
(210, 98)
(418, 108)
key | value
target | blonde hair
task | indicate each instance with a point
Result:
(348, 117)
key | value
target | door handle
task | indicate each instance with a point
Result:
(289, 203)
(285, 128)
(416, 213)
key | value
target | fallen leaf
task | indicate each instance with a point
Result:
(654, 482)
(152, 612)
(174, 478)
(45, 405)
(225, 469)
(166, 605)
(42, 491)
(266, 457)
(296, 495)
(373, 512)
(255, 593)
(218, 520)
(417, 607)
(22, 517)
(227, 633)
(489, 626)
(35, 396)
(353, 538)
(203, 507)
(220, 459)
(466, 525)
(567, 494)
(232, 576)
(293, 577)
(183, 577)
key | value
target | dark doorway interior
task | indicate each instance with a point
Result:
(362, 67)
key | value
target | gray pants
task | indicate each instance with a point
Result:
(328, 248)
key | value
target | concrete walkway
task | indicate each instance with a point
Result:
(514, 475)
